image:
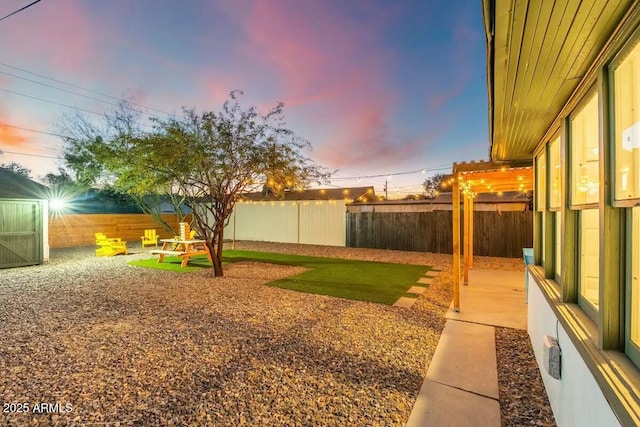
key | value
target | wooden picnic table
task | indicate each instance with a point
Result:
(182, 248)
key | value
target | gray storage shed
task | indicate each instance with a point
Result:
(23, 221)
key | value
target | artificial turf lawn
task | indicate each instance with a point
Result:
(353, 279)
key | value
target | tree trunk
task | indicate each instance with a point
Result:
(215, 247)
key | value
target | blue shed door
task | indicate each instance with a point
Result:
(21, 233)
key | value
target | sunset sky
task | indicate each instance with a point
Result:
(378, 87)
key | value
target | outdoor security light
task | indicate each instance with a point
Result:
(56, 204)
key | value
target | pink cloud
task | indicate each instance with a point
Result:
(42, 36)
(218, 91)
(315, 53)
(11, 137)
(367, 141)
(329, 69)
(14, 136)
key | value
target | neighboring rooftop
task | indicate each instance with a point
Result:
(16, 186)
(360, 194)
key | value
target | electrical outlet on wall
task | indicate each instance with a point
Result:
(552, 356)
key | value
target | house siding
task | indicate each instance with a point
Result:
(576, 399)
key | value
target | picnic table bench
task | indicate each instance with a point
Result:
(182, 248)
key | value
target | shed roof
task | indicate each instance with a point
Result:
(16, 186)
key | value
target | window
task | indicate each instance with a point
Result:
(626, 164)
(543, 258)
(633, 323)
(541, 203)
(555, 171)
(541, 182)
(627, 126)
(584, 194)
(555, 198)
(584, 154)
(589, 284)
(558, 249)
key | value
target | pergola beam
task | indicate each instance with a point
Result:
(471, 232)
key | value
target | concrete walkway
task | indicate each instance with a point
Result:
(461, 387)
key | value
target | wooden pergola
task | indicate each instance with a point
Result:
(468, 180)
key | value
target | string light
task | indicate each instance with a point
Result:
(389, 175)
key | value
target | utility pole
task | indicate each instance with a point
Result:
(386, 194)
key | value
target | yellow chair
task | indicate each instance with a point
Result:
(150, 238)
(110, 246)
(102, 237)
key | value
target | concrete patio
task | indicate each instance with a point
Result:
(461, 386)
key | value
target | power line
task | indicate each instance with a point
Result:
(383, 175)
(84, 89)
(62, 90)
(62, 105)
(32, 130)
(50, 101)
(19, 10)
(73, 93)
(29, 154)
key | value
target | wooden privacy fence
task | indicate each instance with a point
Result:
(500, 234)
(495, 234)
(79, 229)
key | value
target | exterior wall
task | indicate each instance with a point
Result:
(308, 222)
(576, 398)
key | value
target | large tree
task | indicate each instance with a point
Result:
(99, 156)
(208, 159)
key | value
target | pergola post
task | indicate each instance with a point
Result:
(465, 219)
(471, 231)
(455, 206)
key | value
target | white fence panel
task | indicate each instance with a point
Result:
(323, 223)
(309, 222)
(265, 221)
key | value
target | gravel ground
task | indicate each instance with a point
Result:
(523, 400)
(113, 344)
